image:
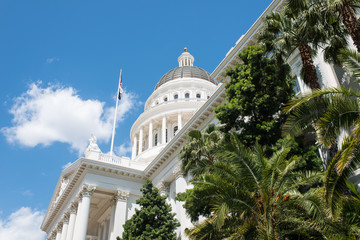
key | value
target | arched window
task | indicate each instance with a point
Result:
(198, 95)
(156, 139)
(187, 95)
(166, 138)
(175, 129)
(165, 99)
(208, 97)
(176, 96)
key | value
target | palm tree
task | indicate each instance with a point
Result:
(198, 155)
(254, 197)
(284, 33)
(332, 112)
(347, 11)
(302, 26)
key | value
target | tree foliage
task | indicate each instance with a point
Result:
(332, 112)
(153, 220)
(198, 155)
(254, 197)
(303, 25)
(258, 89)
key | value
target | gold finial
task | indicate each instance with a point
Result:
(185, 49)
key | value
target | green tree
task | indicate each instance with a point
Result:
(198, 155)
(258, 89)
(302, 26)
(346, 9)
(332, 112)
(153, 220)
(255, 197)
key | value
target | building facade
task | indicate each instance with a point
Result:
(97, 193)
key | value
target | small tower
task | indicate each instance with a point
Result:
(186, 59)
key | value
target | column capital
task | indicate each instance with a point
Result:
(177, 172)
(73, 208)
(164, 187)
(87, 190)
(121, 195)
(65, 218)
(59, 227)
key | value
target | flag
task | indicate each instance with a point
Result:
(120, 87)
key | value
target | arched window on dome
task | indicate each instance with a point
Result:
(187, 95)
(176, 96)
(198, 95)
(175, 130)
(166, 136)
(165, 99)
(156, 139)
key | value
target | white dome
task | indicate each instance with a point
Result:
(176, 97)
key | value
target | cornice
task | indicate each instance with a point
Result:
(83, 165)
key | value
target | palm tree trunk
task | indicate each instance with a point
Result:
(350, 21)
(310, 76)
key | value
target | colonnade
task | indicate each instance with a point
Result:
(74, 223)
(162, 130)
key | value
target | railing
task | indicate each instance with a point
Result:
(121, 161)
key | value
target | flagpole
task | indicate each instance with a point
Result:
(116, 107)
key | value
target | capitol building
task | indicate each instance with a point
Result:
(97, 193)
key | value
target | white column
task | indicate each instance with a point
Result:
(72, 220)
(150, 135)
(179, 121)
(163, 132)
(65, 227)
(112, 217)
(180, 186)
(59, 231)
(121, 198)
(99, 231)
(82, 218)
(141, 134)
(78, 213)
(169, 132)
(105, 232)
(134, 151)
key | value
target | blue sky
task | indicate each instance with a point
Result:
(59, 67)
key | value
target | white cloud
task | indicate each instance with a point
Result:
(123, 150)
(51, 60)
(28, 193)
(42, 116)
(22, 224)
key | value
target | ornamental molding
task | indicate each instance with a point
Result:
(59, 227)
(121, 195)
(73, 208)
(87, 190)
(65, 218)
(177, 172)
